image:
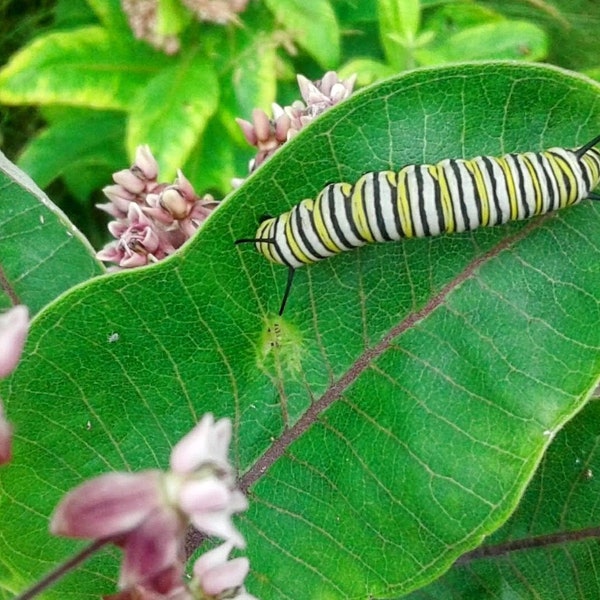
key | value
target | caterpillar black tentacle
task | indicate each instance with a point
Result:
(453, 195)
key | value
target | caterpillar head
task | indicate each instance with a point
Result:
(266, 244)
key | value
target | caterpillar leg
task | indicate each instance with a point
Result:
(288, 287)
(581, 151)
(593, 196)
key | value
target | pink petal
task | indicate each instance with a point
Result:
(174, 202)
(110, 253)
(5, 438)
(262, 124)
(145, 162)
(206, 442)
(158, 214)
(107, 506)
(212, 558)
(133, 260)
(248, 131)
(119, 196)
(130, 181)
(111, 209)
(153, 552)
(204, 495)
(185, 187)
(13, 331)
(218, 524)
(228, 575)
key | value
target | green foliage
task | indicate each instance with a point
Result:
(549, 545)
(42, 253)
(91, 62)
(404, 411)
(391, 421)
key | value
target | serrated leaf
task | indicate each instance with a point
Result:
(313, 25)
(75, 142)
(392, 419)
(172, 111)
(82, 67)
(41, 252)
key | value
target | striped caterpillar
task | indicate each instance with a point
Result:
(453, 195)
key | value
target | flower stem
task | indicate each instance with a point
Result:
(61, 570)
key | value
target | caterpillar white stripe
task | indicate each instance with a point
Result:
(423, 200)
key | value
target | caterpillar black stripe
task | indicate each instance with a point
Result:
(423, 200)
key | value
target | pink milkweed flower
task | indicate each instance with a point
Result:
(147, 514)
(319, 96)
(5, 438)
(222, 578)
(139, 241)
(217, 11)
(141, 176)
(152, 219)
(14, 324)
(326, 92)
(264, 133)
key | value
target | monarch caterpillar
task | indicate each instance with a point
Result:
(424, 200)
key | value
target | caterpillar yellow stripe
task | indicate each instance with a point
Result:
(453, 195)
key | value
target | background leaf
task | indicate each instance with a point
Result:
(254, 76)
(77, 141)
(41, 253)
(171, 112)
(399, 22)
(392, 419)
(571, 25)
(82, 67)
(512, 39)
(313, 26)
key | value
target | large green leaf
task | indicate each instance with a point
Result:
(392, 419)
(81, 67)
(41, 252)
(551, 542)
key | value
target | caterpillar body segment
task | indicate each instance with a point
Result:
(453, 195)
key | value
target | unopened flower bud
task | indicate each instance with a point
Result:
(174, 203)
(145, 163)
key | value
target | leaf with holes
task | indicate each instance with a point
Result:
(393, 417)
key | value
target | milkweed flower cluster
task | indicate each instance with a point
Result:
(14, 324)
(143, 18)
(152, 219)
(147, 515)
(268, 134)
